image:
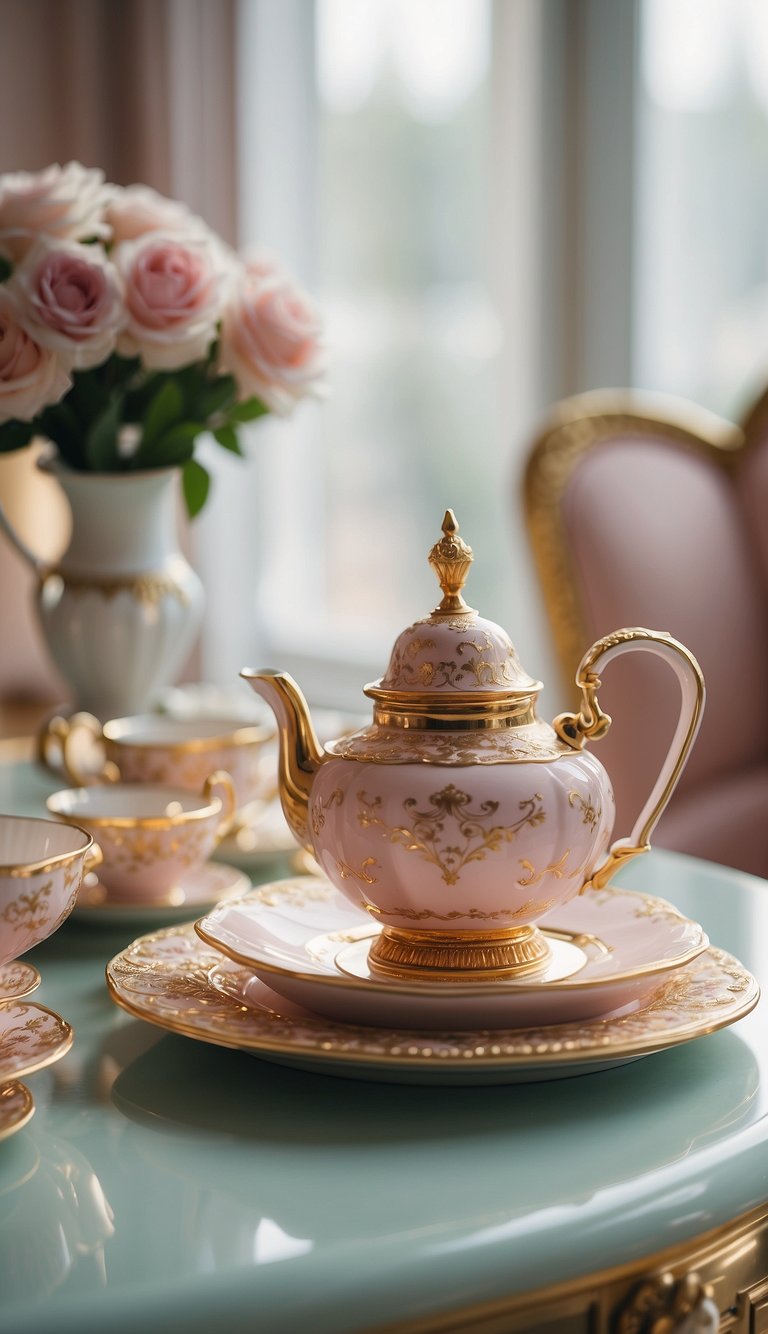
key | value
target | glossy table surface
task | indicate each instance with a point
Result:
(166, 1184)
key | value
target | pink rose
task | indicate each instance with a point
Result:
(271, 341)
(63, 203)
(31, 377)
(173, 296)
(137, 209)
(69, 298)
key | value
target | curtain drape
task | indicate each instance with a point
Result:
(144, 89)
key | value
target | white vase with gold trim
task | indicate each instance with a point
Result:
(121, 608)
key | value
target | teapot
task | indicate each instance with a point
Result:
(458, 818)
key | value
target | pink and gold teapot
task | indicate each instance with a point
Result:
(457, 818)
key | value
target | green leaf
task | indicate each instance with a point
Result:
(101, 440)
(60, 425)
(88, 398)
(248, 410)
(215, 396)
(227, 438)
(15, 435)
(165, 408)
(174, 447)
(195, 483)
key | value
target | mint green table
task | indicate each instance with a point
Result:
(167, 1185)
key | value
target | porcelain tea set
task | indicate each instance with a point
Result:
(461, 925)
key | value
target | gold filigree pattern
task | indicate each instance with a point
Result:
(556, 869)
(31, 1037)
(363, 875)
(451, 818)
(17, 979)
(149, 588)
(395, 745)
(591, 814)
(28, 912)
(531, 908)
(321, 808)
(714, 990)
(480, 662)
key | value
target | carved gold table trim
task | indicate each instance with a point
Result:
(729, 1263)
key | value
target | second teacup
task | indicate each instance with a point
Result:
(150, 836)
(155, 748)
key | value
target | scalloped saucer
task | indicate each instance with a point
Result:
(18, 978)
(16, 1108)
(199, 890)
(31, 1037)
(163, 977)
(610, 949)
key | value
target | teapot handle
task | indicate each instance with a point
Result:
(57, 745)
(591, 722)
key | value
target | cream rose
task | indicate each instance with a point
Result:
(174, 286)
(31, 377)
(69, 298)
(271, 341)
(134, 210)
(63, 203)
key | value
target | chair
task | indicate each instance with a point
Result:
(649, 510)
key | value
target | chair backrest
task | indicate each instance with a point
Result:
(647, 510)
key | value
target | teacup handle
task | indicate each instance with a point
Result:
(93, 858)
(65, 732)
(591, 722)
(221, 780)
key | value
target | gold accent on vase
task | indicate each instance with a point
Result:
(425, 832)
(149, 588)
(515, 952)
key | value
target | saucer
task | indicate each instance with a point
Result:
(197, 891)
(16, 1108)
(264, 841)
(164, 978)
(18, 979)
(31, 1036)
(610, 949)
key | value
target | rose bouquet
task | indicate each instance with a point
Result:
(128, 328)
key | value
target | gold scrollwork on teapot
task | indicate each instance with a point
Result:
(426, 832)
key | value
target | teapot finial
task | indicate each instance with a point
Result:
(451, 558)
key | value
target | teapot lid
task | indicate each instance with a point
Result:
(453, 657)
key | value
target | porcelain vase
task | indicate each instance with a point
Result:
(121, 610)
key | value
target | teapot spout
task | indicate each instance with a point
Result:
(300, 754)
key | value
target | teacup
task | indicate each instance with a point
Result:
(150, 836)
(41, 866)
(155, 748)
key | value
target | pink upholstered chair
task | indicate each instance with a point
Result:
(646, 510)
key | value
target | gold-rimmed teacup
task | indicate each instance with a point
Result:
(150, 836)
(156, 748)
(41, 866)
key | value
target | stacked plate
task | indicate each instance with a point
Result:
(284, 972)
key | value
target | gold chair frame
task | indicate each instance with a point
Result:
(582, 423)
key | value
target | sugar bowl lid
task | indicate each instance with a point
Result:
(453, 655)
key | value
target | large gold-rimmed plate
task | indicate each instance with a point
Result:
(305, 940)
(31, 1037)
(164, 978)
(16, 1108)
